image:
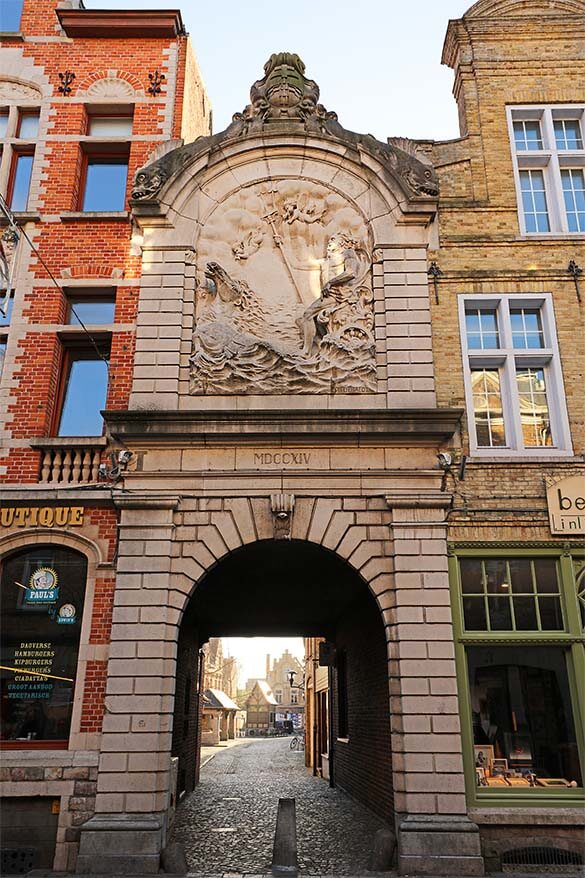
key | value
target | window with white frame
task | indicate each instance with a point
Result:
(513, 379)
(548, 147)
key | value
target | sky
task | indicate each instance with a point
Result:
(251, 653)
(377, 62)
(378, 65)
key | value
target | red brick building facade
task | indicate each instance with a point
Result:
(86, 98)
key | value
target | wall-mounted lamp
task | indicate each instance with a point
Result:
(291, 680)
(575, 271)
(435, 273)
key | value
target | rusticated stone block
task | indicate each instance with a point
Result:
(82, 803)
(80, 773)
(84, 788)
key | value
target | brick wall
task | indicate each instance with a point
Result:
(363, 763)
(188, 710)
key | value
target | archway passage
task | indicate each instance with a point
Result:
(296, 588)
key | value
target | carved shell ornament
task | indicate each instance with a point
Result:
(284, 95)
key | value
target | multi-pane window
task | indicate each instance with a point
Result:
(549, 160)
(573, 181)
(534, 204)
(512, 375)
(517, 627)
(106, 155)
(19, 129)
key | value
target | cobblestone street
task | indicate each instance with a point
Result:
(227, 824)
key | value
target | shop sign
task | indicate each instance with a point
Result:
(41, 516)
(66, 615)
(42, 587)
(566, 506)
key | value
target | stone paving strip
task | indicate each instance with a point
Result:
(227, 824)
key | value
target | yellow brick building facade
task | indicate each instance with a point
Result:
(510, 243)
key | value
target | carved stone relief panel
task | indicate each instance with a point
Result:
(284, 300)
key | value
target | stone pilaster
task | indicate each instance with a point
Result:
(435, 835)
(128, 830)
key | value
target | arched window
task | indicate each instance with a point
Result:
(42, 591)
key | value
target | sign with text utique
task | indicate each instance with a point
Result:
(566, 506)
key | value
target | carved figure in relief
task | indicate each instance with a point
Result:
(338, 274)
(303, 211)
(252, 242)
(287, 308)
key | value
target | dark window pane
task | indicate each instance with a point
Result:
(41, 624)
(92, 311)
(545, 570)
(551, 618)
(471, 575)
(525, 614)
(521, 575)
(474, 614)
(85, 397)
(500, 613)
(22, 174)
(497, 576)
(105, 184)
(521, 712)
(10, 15)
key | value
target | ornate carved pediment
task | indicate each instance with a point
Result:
(11, 90)
(284, 97)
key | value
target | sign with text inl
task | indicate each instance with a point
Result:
(566, 506)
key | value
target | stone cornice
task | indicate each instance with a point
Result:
(113, 23)
(417, 426)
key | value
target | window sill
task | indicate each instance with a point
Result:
(510, 456)
(70, 216)
(551, 236)
(23, 216)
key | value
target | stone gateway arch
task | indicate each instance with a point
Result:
(283, 406)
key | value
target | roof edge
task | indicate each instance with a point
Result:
(120, 23)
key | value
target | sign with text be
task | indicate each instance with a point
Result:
(566, 506)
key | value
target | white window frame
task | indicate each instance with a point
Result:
(549, 160)
(505, 359)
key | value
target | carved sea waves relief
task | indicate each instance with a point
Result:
(284, 297)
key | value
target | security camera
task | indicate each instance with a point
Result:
(445, 459)
(124, 457)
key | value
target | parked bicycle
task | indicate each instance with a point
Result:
(297, 743)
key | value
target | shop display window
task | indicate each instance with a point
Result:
(519, 617)
(42, 592)
(523, 728)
